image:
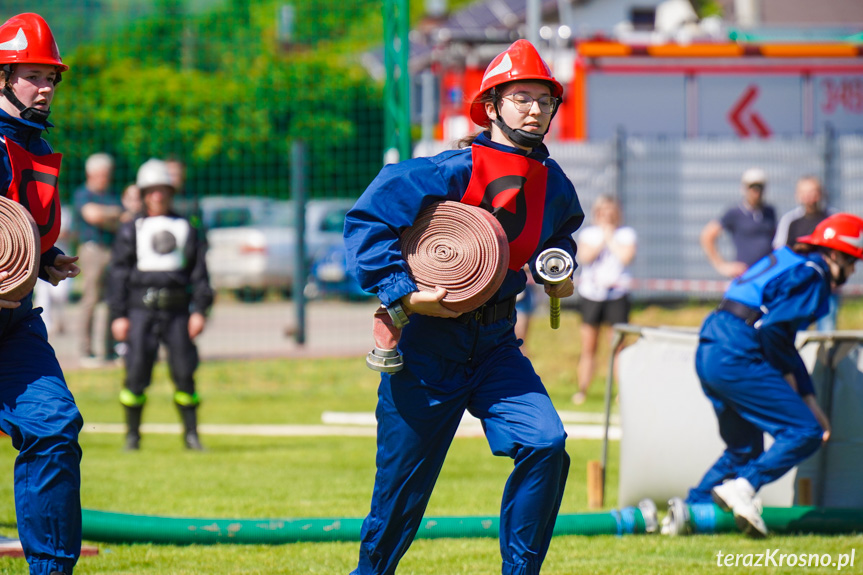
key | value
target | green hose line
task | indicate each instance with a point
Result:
(111, 527)
(708, 518)
(125, 528)
(813, 520)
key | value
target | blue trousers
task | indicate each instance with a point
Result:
(416, 423)
(39, 413)
(750, 398)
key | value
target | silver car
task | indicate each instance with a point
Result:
(252, 240)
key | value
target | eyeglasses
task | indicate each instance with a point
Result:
(524, 102)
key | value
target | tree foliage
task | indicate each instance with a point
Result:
(218, 89)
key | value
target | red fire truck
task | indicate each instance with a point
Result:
(688, 91)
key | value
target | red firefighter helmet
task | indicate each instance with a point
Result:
(27, 39)
(518, 63)
(841, 232)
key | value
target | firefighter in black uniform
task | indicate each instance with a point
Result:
(159, 292)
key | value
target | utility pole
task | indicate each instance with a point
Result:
(533, 21)
(397, 119)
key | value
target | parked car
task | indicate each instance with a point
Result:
(252, 240)
(329, 277)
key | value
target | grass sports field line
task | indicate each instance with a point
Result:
(357, 424)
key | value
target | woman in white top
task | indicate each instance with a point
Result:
(605, 250)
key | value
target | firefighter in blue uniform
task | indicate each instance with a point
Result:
(751, 372)
(472, 362)
(159, 292)
(36, 408)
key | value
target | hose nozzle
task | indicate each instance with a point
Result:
(554, 266)
(385, 356)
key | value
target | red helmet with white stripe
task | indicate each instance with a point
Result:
(27, 39)
(518, 63)
(841, 232)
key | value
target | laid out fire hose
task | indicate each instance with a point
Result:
(19, 250)
(708, 518)
(459, 247)
(110, 527)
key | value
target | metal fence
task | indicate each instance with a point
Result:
(229, 86)
(226, 86)
(670, 189)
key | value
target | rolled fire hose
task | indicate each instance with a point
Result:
(709, 518)
(459, 247)
(111, 527)
(19, 250)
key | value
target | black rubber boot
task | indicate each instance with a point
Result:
(189, 415)
(133, 427)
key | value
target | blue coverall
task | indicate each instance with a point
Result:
(38, 411)
(452, 366)
(741, 370)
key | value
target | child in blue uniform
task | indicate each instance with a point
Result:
(36, 408)
(454, 362)
(750, 369)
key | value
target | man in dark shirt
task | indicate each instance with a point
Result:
(801, 221)
(810, 211)
(751, 225)
(97, 211)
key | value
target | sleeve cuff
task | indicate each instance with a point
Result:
(47, 259)
(400, 286)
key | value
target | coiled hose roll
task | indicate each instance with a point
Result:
(459, 247)
(19, 250)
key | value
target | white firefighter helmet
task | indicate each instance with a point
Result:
(154, 172)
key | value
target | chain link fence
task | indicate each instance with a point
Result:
(670, 188)
(228, 86)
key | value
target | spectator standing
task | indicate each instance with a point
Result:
(456, 362)
(606, 248)
(190, 206)
(525, 306)
(751, 225)
(132, 204)
(159, 293)
(37, 410)
(811, 210)
(177, 170)
(98, 212)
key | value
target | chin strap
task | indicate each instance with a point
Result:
(520, 137)
(29, 114)
(838, 278)
(841, 277)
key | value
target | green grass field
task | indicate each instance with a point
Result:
(252, 477)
